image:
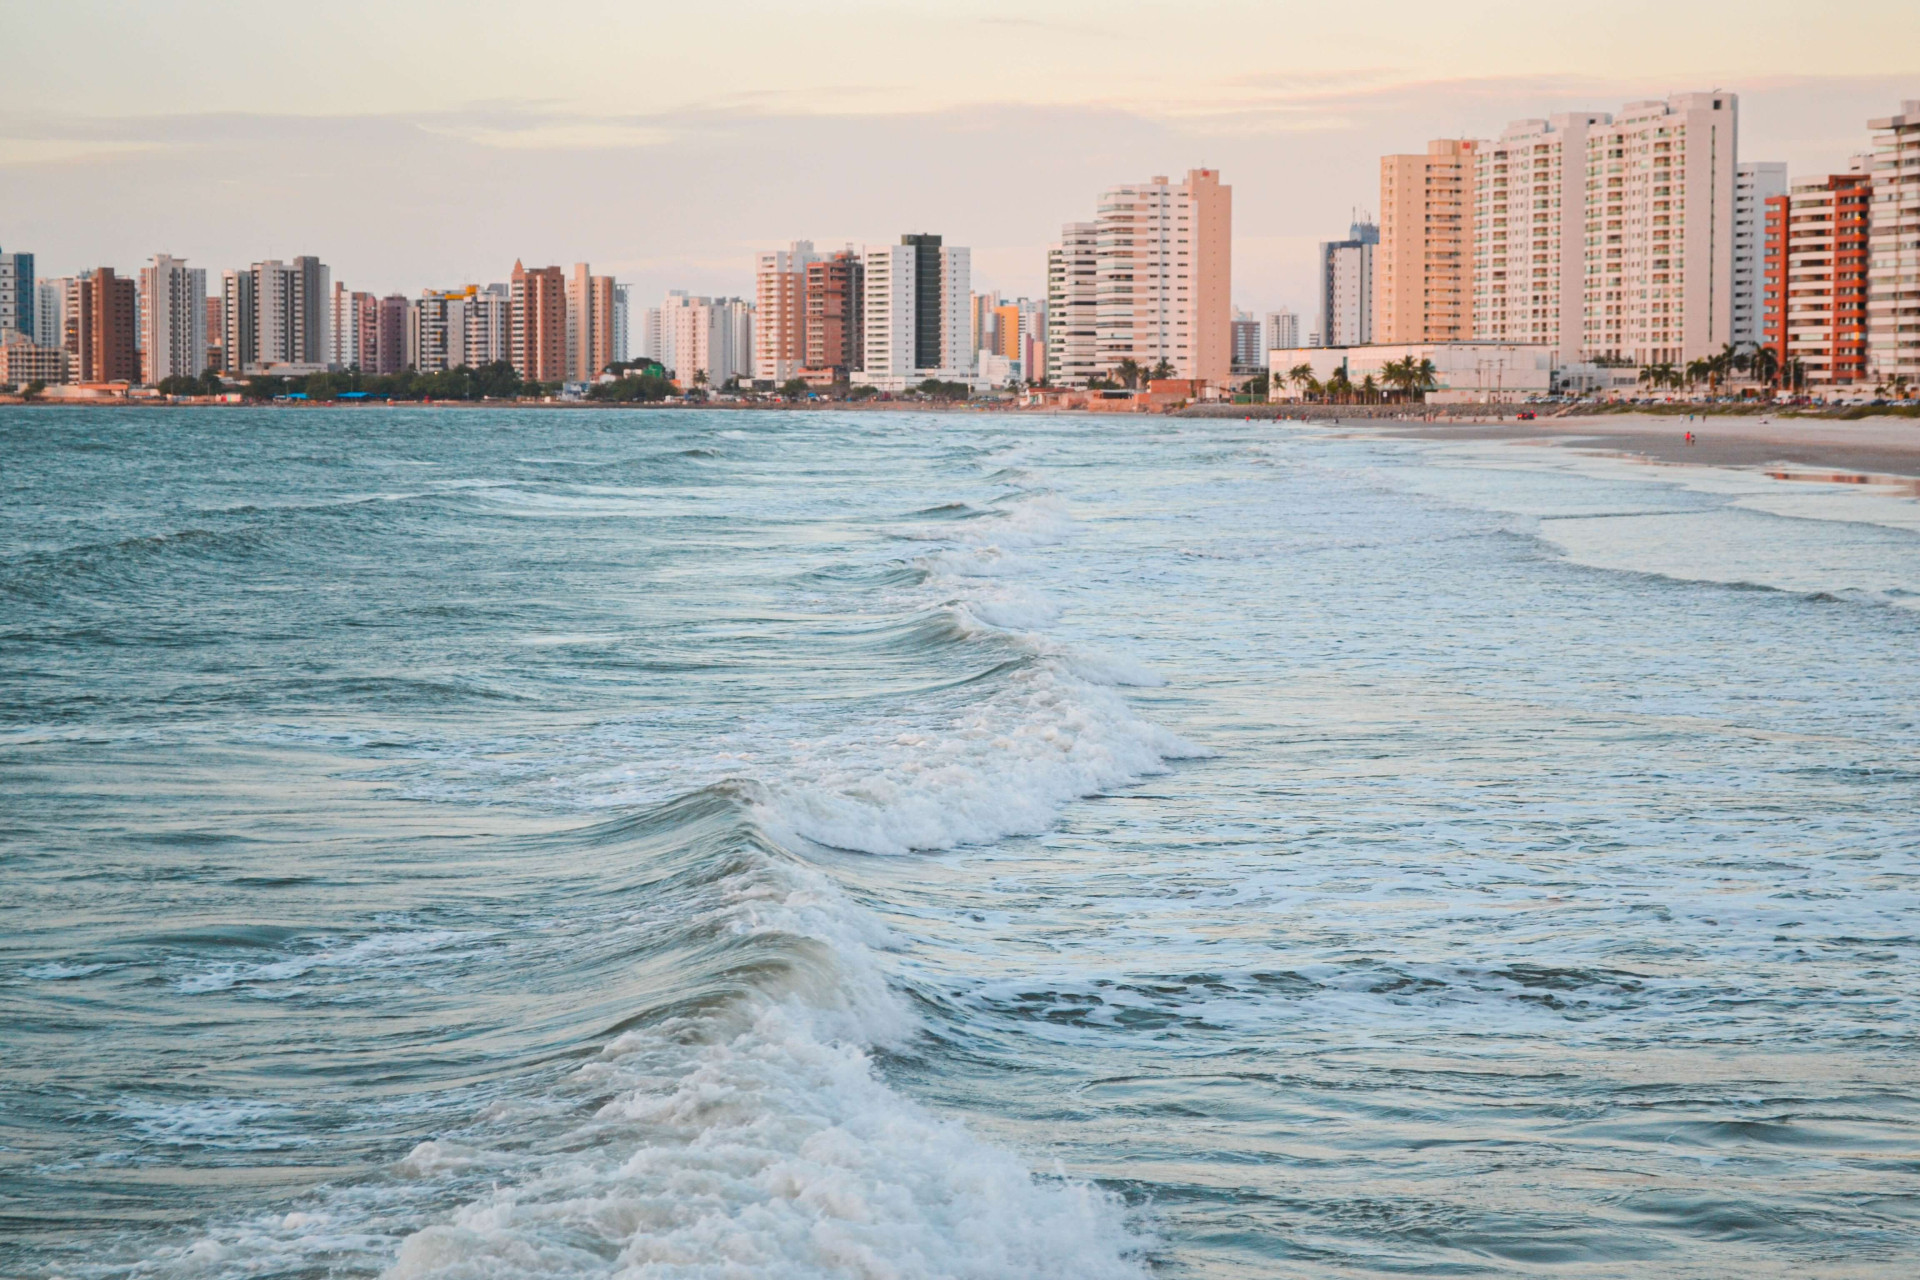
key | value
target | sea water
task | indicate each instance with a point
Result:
(504, 844)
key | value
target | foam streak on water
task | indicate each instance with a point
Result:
(669, 845)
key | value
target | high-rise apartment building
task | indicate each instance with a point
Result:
(835, 312)
(343, 327)
(780, 307)
(1826, 277)
(1248, 354)
(622, 331)
(104, 323)
(1893, 270)
(539, 323)
(437, 330)
(1073, 326)
(708, 341)
(1754, 183)
(1773, 278)
(589, 323)
(173, 319)
(1423, 267)
(50, 311)
(1164, 276)
(276, 313)
(917, 316)
(238, 330)
(1346, 286)
(215, 331)
(17, 295)
(1659, 229)
(488, 319)
(1529, 233)
(1282, 331)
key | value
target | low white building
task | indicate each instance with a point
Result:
(1463, 372)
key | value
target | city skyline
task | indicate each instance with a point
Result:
(679, 175)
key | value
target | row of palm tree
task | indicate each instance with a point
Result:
(1411, 378)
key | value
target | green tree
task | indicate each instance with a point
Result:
(1162, 370)
(1301, 376)
(1128, 371)
(794, 388)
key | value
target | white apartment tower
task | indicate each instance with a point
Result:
(918, 297)
(1283, 330)
(1165, 275)
(173, 320)
(1754, 182)
(1659, 229)
(1073, 268)
(707, 341)
(1893, 250)
(488, 324)
(1529, 233)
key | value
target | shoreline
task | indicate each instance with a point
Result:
(1840, 451)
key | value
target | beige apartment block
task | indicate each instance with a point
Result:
(1659, 234)
(1423, 267)
(1164, 278)
(780, 311)
(1528, 233)
(1893, 250)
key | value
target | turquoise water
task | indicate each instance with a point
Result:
(670, 845)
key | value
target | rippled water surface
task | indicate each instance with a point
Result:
(672, 845)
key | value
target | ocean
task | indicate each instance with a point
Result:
(494, 844)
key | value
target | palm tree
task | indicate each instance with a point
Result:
(1301, 376)
(1369, 389)
(1764, 363)
(1421, 378)
(1398, 374)
(1339, 386)
(1162, 370)
(1128, 371)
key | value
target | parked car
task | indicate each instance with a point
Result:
(1527, 415)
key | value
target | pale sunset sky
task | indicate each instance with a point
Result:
(415, 143)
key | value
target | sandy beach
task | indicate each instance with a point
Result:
(1871, 446)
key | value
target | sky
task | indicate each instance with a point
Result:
(429, 143)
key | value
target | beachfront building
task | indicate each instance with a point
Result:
(1073, 329)
(1163, 280)
(589, 323)
(173, 319)
(1529, 233)
(708, 341)
(104, 319)
(1464, 372)
(780, 307)
(1249, 353)
(1893, 269)
(1283, 330)
(1659, 230)
(1754, 183)
(622, 328)
(1346, 287)
(1826, 278)
(835, 302)
(275, 316)
(17, 294)
(343, 327)
(1423, 266)
(539, 340)
(1773, 279)
(487, 320)
(917, 323)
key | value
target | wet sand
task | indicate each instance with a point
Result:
(1872, 446)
